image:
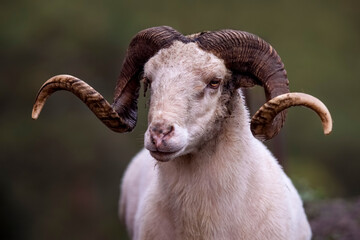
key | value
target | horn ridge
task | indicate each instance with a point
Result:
(94, 100)
(268, 112)
(142, 47)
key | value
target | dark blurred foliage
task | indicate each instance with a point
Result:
(335, 219)
(60, 175)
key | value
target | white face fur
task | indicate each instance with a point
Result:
(188, 98)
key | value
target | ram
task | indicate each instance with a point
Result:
(204, 172)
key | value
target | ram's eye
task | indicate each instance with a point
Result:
(214, 84)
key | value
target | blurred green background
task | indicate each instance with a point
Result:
(60, 175)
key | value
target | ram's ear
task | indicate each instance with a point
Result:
(142, 47)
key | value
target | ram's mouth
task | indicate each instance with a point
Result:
(164, 156)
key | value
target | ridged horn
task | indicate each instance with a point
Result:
(252, 62)
(97, 104)
(266, 114)
(121, 116)
(142, 47)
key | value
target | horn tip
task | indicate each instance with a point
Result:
(327, 121)
(34, 115)
(328, 128)
(35, 112)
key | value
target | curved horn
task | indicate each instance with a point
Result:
(142, 47)
(121, 116)
(252, 61)
(264, 117)
(97, 104)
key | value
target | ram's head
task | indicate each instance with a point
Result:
(192, 80)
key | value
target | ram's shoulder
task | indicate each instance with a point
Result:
(138, 176)
(141, 167)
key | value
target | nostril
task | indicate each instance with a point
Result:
(160, 133)
(161, 129)
(156, 140)
(169, 129)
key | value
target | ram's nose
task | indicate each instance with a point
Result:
(160, 133)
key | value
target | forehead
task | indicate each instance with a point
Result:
(181, 58)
